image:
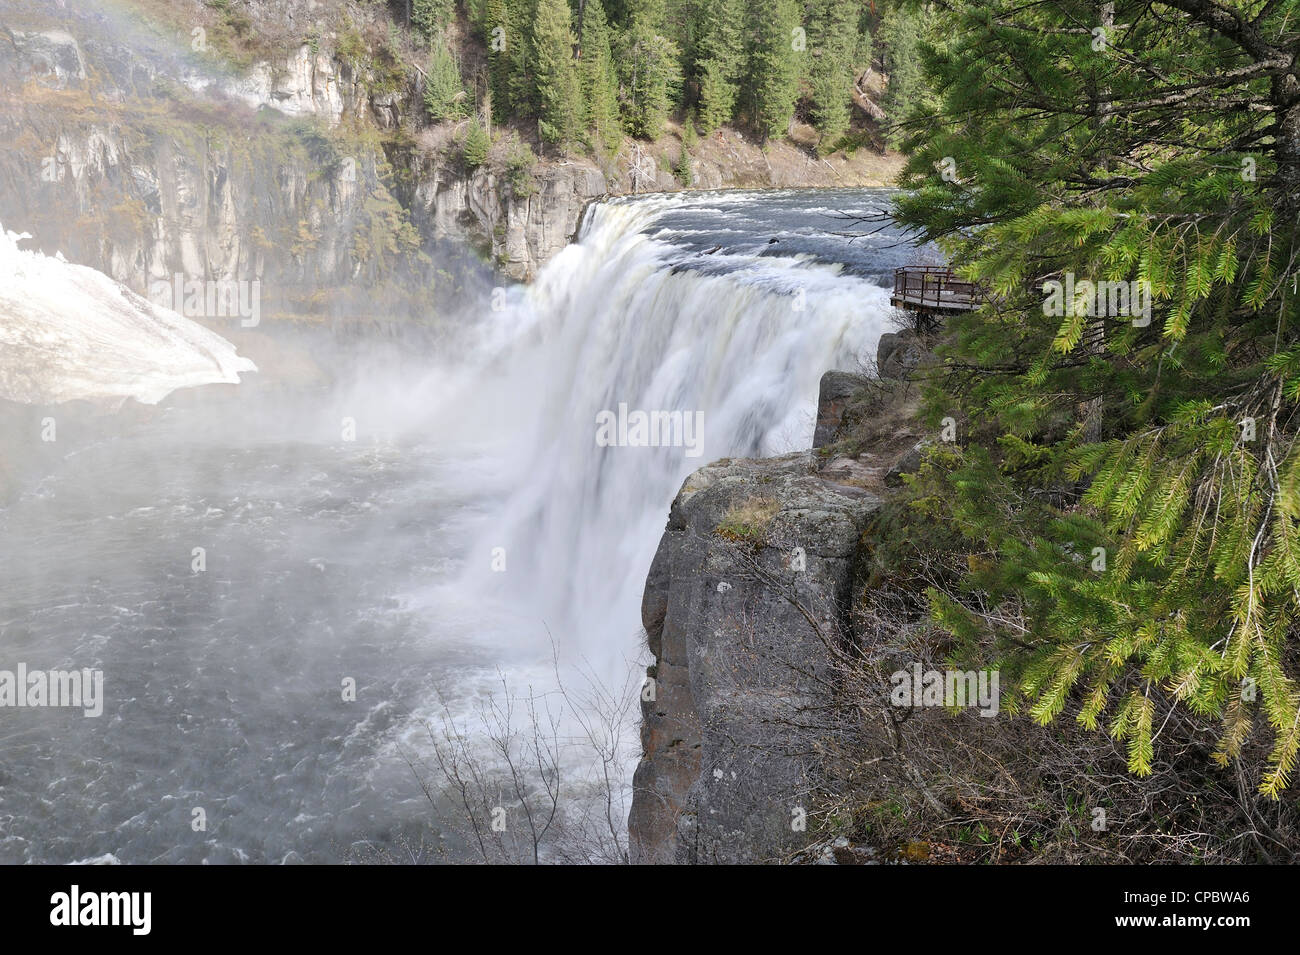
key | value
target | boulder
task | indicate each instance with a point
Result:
(897, 354)
(837, 387)
(909, 463)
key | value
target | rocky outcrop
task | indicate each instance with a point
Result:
(898, 353)
(305, 83)
(51, 57)
(837, 387)
(304, 168)
(517, 230)
(746, 596)
(145, 167)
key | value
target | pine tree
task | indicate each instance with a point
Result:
(1151, 563)
(556, 73)
(833, 36)
(432, 17)
(476, 145)
(900, 37)
(772, 70)
(721, 53)
(649, 62)
(444, 91)
(598, 85)
(523, 93)
(496, 36)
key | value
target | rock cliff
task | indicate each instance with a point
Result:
(750, 608)
(746, 595)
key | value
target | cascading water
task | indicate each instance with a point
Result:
(474, 519)
(628, 317)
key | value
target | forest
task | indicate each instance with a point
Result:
(591, 73)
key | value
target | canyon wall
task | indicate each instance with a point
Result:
(311, 169)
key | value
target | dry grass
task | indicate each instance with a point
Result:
(748, 521)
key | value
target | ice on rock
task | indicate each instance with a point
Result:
(70, 332)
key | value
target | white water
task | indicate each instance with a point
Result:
(617, 318)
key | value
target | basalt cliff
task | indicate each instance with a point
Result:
(755, 597)
(309, 167)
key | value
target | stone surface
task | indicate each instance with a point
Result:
(837, 387)
(738, 630)
(519, 233)
(909, 463)
(51, 58)
(897, 354)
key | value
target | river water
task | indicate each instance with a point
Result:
(434, 527)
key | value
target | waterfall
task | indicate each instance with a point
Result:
(626, 317)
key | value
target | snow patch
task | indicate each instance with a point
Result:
(70, 332)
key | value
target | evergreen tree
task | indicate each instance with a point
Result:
(519, 44)
(598, 85)
(900, 37)
(556, 73)
(650, 70)
(496, 36)
(444, 92)
(772, 71)
(432, 17)
(721, 55)
(476, 145)
(833, 36)
(1124, 496)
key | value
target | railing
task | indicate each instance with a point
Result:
(933, 287)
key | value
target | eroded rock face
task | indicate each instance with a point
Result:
(739, 629)
(51, 58)
(837, 387)
(518, 232)
(898, 353)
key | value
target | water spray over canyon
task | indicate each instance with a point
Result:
(473, 520)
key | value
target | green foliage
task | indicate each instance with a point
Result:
(649, 71)
(634, 63)
(496, 37)
(720, 62)
(444, 93)
(519, 163)
(682, 170)
(832, 37)
(432, 17)
(900, 37)
(1128, 493)
(773, 64)
(523, 94)
(476, 145)
(690, 136)
(597, 81)
(556, 73)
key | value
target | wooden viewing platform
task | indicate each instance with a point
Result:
(933, 289)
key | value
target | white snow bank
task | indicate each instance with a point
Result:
(68, 332)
